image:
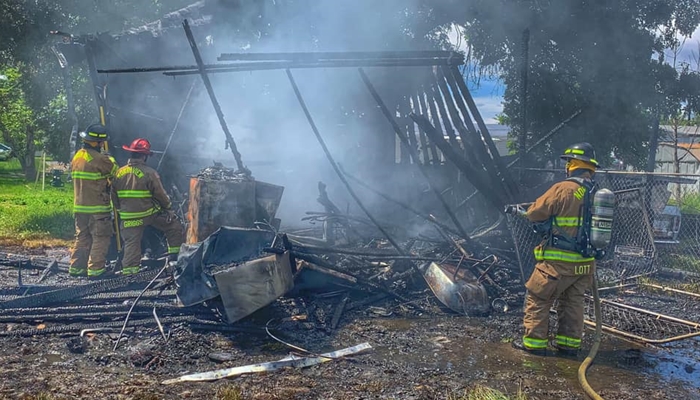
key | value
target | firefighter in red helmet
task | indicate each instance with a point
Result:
(142, 201)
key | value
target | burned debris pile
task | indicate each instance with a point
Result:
(235, 272)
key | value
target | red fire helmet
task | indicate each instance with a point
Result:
(139, 145)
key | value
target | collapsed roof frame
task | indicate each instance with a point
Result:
(476, 157)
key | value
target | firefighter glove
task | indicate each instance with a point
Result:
(599, 254)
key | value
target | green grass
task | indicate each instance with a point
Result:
(480, 392)
(29, 215)
(690, 203)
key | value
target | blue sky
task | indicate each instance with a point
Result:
(488, 95)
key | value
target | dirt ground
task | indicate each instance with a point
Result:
(430, 356)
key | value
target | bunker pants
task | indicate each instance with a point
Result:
(132, 232)
(551, 281)
(93, 233)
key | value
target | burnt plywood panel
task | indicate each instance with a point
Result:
(251, 286)
(217, 203)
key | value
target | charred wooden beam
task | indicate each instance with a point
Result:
(212, 96)
(483, 130)
(427, 160)
(444, 119)
(316, 132)
(327, 64)
(404, 110)
(431, 147)
(454, 116)
(268, 65)
(323, 263)
(421, 168)
(473, 150)
(472, 175)
(489, 158)
(341, 55)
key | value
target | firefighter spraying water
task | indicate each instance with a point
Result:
(574, 218)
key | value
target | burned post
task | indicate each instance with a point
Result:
(335, 165)
(210, 90)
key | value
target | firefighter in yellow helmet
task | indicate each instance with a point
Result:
(561, 272)
(91, 171)
(143, 202)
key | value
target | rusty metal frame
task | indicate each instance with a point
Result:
(657, 316)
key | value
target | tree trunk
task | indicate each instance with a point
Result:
(29, 162)
(676, 160)
(653, 145)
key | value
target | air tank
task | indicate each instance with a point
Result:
(602, 218)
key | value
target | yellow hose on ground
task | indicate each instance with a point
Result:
(594, 349)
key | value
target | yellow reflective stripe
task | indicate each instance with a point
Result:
(532, 343)
(130, 270)
(134, 194)
(568, 341)
(115, 167)
(559, 255)
(90, 176)
(173, 249)
(82, 153)
(76, 271)
(574, 151)
(568, 221)
(594, 161)
(91, 209)
(141, 214)
(96, 272)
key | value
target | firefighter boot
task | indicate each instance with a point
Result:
(518, 344)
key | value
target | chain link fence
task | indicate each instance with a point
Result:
(656, 223)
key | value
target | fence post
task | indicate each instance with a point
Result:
(43, 170)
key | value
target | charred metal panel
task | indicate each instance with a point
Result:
(460, 292)
(249, 287)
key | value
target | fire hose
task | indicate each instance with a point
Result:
(596, 344)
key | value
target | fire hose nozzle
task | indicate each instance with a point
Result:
(517, 209)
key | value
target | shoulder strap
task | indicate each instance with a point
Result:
(590, 185)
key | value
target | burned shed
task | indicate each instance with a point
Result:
(148, 85)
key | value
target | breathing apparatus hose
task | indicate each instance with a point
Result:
(596, 343)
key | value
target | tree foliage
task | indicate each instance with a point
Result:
(583, 54)
(17, 124)
(34, 111)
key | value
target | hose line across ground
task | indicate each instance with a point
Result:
(596, 343)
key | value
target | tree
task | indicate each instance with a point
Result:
(17, 122)
(590, 55)
(31, 111)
